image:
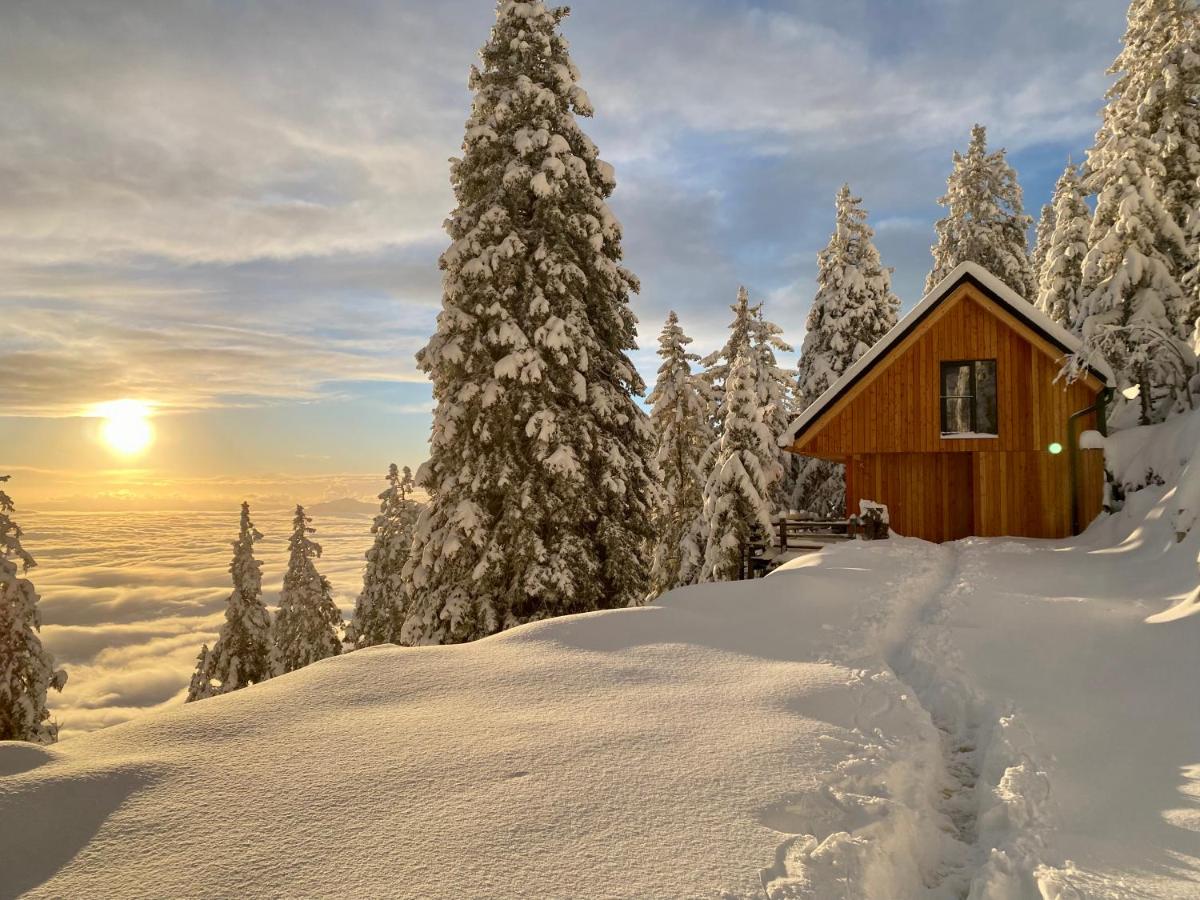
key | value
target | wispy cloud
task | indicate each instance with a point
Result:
(170, 167)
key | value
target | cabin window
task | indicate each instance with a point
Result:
(969, 397)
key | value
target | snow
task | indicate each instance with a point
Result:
(994, 718)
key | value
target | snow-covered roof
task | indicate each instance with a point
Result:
(992, 287)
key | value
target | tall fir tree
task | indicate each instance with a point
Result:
(1135, 310)
(1156, 98)
(742, 465)
(1041, 244)
(1131, 296)
(306, 626)
(379, 611)
(539, 475)
(776, 392)
(854, 308)
(1061, 273)
(717, 365)
(679, 414)
(985, 221)
(27, 670)
(750, 333)
(242, 654)
(714, 375)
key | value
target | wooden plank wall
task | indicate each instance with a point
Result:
(899, 411)
(889, 433)
(947, 496)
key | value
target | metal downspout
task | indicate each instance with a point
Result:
(1100, 408)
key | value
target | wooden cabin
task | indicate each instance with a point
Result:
(958, 420)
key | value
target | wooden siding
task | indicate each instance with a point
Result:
(896, 408)
(947, 496)
(887, 429)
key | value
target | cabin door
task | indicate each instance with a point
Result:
(958, 496)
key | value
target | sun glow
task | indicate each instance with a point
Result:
(126, 428)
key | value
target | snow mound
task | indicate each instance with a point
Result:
(633, 753)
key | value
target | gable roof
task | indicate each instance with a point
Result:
(987, 284)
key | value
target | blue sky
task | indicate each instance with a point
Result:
(233, 209)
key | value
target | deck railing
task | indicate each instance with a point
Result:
(761, 553)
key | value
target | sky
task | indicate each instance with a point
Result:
(232, 211)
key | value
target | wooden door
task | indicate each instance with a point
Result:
(958, 496)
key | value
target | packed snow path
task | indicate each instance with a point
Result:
(992, 719)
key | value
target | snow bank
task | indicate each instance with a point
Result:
(1153, 465)
(648, 752)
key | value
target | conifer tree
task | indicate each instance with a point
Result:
(539, 473)
(379, 611)
(718, 363)
(776, 391)
(750, 333)
(1134, 309)
(202, 686)
(853, 309)
(1061, 273)
(26, 670)
(742, 465)
(985, 222)
(1131, 298)
(242, 654)
(679, 415)
(307, 622)
(1041, 243)
(1156, 99)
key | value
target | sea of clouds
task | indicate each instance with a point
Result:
(127, 599)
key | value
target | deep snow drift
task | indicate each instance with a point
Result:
(994, 718)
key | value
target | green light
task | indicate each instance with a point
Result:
(1055, 448)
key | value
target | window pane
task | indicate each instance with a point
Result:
(985, 396)
(956, 415)
(956, 380)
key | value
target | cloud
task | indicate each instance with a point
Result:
(221, 206)
(127, 600)
(132, 491)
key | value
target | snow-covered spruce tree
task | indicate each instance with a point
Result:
(26, 670)
(1041, 243)
(379, 610)
(1143, 167)
(307, 622)
(242, 654)
(742, 466)
(985, 222)
(1131, 298)
(718, 363)
(776, 393)
(202, 686)
(751, 333)
(854, 308)
(539, 474)
(679, 414)
(1156, 98)
(1061, 273)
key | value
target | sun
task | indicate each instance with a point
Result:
(126, 428)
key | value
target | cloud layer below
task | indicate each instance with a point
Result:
(127, 599)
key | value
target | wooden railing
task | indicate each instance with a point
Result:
(803, 534)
